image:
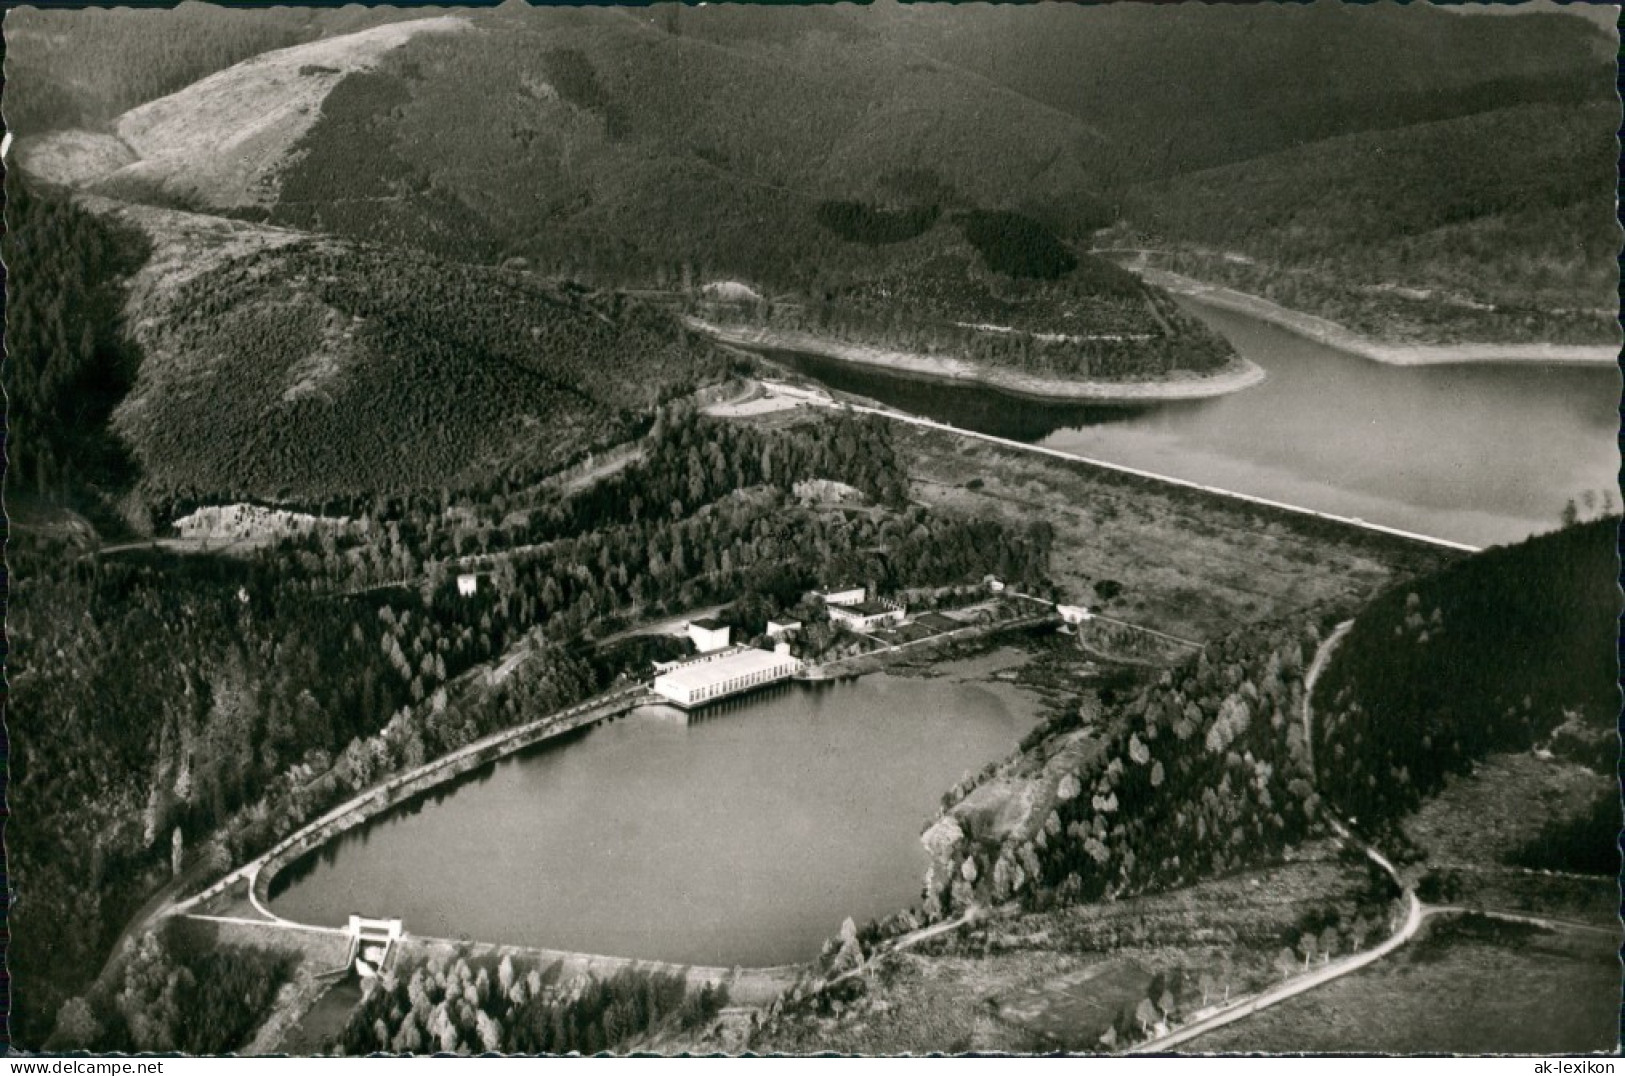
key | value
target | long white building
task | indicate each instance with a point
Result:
(694, 683)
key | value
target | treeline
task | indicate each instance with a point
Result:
(1496, 652)
(687, 463)
(447, 1005)
(68, 363)
(177, 993)
(371, 371)
(1201, 772)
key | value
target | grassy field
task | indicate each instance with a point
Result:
(1021, 983)
(1473, 829)
(1501, 807)
(1465, 987)
(1181, 563)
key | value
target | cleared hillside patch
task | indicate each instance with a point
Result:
(220, 142)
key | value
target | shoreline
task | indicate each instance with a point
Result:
(1331, 334)
(1235, 376)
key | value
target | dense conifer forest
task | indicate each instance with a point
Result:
(1505, 651)
(318, 370)
(68, 362)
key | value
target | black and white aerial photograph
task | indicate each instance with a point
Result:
(861, 529)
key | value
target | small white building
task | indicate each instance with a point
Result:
(1074, 614)
(778, 628)
(844, 595)
(708, 634)
(468, 584)
(695, 683)
(993, 583)
(866, 615)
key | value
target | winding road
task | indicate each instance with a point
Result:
(1416, 912)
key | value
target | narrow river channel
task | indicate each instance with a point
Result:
(1480, 453)
(742, 835)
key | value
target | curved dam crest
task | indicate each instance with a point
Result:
(740, 835)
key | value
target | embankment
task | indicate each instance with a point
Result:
(260, 872)
(1238, 374)
(401, 789)
(1331, 334)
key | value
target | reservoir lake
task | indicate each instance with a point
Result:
(745, 833)
(740, 835)
(1481, 453)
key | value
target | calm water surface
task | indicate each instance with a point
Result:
(1479, 453)
(741, 836)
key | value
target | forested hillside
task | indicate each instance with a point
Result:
(1150, 786)
(1507, 650)
(1454, 230)
(1223, 83)
(806, 151)
(68, 363)
(181, 991)
(320, 370)
(1022, 302)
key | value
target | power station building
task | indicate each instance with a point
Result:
(721, 675)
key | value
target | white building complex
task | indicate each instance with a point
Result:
(718, 676)
(847, 595)
(866, 615)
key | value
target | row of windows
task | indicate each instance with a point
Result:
(737, 683)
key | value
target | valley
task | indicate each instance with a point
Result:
(1181, 531)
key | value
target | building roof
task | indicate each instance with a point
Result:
(871, 608)
(738, 663)
(709, 623)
